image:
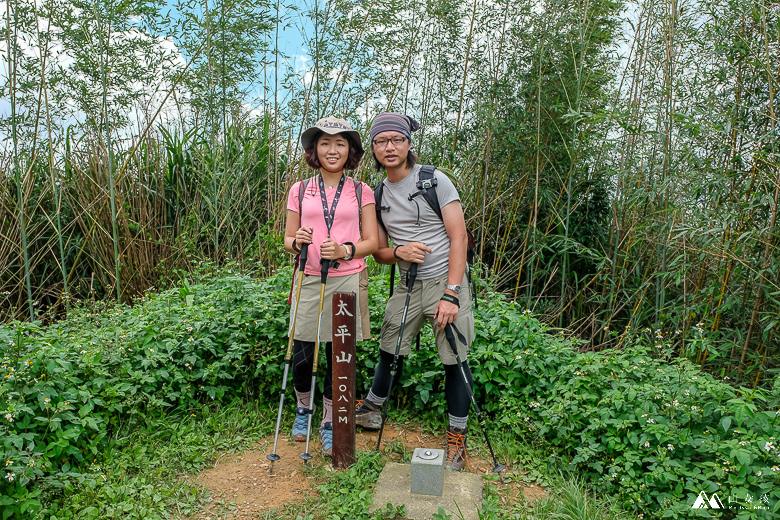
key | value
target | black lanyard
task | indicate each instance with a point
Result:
(329, 215)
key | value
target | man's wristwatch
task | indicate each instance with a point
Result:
(454, 288)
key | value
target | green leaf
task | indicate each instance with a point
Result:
(29, 504)
(744, 457)
(740, 414)
(87, 408)
(725, 423)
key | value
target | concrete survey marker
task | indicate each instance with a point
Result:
(427, 472)
(462, 494)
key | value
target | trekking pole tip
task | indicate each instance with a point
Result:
(273, 457)
(498, 469)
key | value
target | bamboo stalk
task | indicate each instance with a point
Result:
(109, 148)
(535, 209)
(351, 55)
(516, 202)
(54, 184)
(773, 220)
(564, 269)
(637, 118)
(481, 197)
(670, 34)
(465, 75)
(12, 66)
(406, 64)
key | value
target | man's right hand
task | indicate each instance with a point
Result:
(413, 252)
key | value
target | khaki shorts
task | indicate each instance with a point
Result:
(425, 297)
(306, 325)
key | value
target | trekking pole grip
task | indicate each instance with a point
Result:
(304, 255)
(411, 275)
(324, 264)
(450, 338)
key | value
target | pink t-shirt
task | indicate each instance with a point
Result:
(346, 221)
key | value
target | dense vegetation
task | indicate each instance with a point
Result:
(640, 425)
(618, 161)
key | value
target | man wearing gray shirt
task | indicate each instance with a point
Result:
(441, 292)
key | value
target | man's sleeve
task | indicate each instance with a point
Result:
(445, 190)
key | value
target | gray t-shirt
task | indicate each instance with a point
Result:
(414, 221)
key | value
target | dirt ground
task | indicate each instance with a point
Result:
(241, 486)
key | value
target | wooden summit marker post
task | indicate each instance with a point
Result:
(343, 379)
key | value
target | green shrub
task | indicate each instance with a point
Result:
(69, 386)
(651, 430)
(639, 424)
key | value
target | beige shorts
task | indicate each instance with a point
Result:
(425, 297)
(306, 325)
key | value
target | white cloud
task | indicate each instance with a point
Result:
(152, 93)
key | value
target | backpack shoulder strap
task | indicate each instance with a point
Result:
(426, 183)
(359, 196)
(302, 185)
(380, 188)
(378, 201)
(301, 192)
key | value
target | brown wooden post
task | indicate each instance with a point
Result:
(344, 332)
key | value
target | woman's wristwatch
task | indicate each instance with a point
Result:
(350, 247)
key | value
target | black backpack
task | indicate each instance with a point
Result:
(426, 186)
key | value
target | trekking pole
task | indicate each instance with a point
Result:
(306, 456)
(411, 274)
(498, 468)
(273, 457)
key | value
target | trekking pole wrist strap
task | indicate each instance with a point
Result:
(395, 253)
(451, 299)
(295, 246)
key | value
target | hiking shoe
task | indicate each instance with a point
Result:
(456, 449)
(326, 438)
(300, 425)
(368, 415)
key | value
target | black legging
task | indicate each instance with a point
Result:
(303, 359)
(457, 397)
(382, 373)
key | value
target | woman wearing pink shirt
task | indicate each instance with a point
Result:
(335, 215)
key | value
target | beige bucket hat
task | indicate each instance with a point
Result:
(331, 125)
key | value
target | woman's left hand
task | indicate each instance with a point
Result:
(332, 250)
